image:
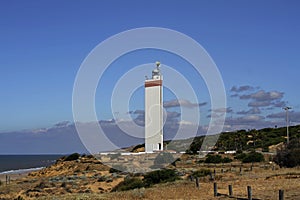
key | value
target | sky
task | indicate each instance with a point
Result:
(254, 44)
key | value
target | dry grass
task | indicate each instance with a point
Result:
(265, 183)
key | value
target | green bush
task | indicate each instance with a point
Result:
(128, 184)
(71, 157)
(201, 173)
(265, 149)
(160, 176)
(164, 158)
(289, 156)
(240, 156)
(217, 159)
(213, 159)
(253, 157)
(226, 160)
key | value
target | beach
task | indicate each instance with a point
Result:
(16, 174)
(12, 176)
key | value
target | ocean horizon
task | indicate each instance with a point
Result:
(15, 164)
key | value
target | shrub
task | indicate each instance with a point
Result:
(213, 159)
(71, 157)
(253, 157)
(239, 151)
(201, 173)
(226, 160)
(138, 147)
(164, 158)
(289, 156)
(240, 156)
(160, 176)
(265, 149)
(19, 198)
(128, 184)
(217, 159)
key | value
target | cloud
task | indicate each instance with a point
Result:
(251, 111)
(259, 103)
(247, 122)
(223, 110)
(293, 116)
(63, 123)
(139, 112)
(277, 115)
(279, 104)
(139, 116)
(54, 140)
(182, 103)
(234, 95)
(219, 112)
(173, 114)
(247, 119)
(263, 96)
(241, 88)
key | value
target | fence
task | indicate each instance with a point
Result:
(230, 191)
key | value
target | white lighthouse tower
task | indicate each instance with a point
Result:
(154, 111)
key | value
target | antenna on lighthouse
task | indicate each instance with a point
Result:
(157, 64)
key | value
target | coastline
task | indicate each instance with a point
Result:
(17, 174)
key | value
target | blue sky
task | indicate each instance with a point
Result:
(43, 43)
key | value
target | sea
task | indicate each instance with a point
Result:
(17, 164)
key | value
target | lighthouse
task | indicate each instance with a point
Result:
(154, 111)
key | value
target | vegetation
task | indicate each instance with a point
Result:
(247, 139)
(19, 198)
(129, 184)
(71, 157)
(138, 147)
(151, 178)
(289, 156)
(201, 173)
(160, 176)
(250, 157)
(217, 159)
(195, 145)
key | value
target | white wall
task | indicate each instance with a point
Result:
(153, 118)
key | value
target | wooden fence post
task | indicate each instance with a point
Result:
(215, 189)
(249, 191)
(230, 190)
(197, 182)
(281, 194)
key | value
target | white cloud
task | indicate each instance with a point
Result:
(182, 103)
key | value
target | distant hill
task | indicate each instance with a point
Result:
(264, 139)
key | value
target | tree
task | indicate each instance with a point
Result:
(253, 157)
(289, 155)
